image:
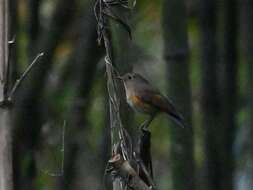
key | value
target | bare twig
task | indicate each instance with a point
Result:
(23, 76)
(122, 151)
(144, 169)
(110, 13)
(103, 10)
(63, 147)
(122, 3)
(117, 134)
(144, 157)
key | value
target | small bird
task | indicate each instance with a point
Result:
(143, 97)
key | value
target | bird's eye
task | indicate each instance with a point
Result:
(129, 77)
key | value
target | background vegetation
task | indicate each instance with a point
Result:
(198, 53)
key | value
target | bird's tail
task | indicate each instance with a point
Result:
(178, 119)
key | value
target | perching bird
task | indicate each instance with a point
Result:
(143, 97)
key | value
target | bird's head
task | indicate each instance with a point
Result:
(133, 80)
(129, 77)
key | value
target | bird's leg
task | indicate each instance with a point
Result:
(145, 124)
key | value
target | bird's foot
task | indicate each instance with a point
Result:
(144, 126)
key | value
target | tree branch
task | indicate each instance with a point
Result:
(144, 158)
(6, 175)
(121, 146)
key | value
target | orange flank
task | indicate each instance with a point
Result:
(138, 103)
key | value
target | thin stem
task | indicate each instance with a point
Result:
(149, 178)
(63, 147)
(61, 172)
(23, 76)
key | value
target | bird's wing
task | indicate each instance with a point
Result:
(153, 97)
(163, 104)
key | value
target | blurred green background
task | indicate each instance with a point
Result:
(198, 53)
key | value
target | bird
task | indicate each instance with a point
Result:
(145, 98)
